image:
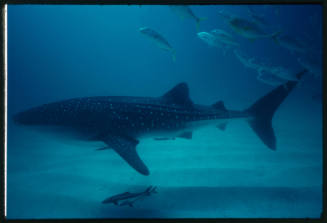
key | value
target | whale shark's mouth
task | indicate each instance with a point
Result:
(17, 118)
(26, 118)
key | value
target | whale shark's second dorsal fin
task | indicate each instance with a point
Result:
(219, 105)
(178, 95)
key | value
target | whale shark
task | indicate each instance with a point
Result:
(121, 121)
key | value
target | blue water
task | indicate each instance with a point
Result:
(62, 52)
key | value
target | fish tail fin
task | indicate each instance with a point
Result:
(198, 22)
(263, 110)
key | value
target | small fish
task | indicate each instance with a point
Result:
(210, 39)
(258, 19)
(281, 72)
(159, 40)
(213, 41)
(290, 43)
(246, 28)
(269, 78)
(128, 198)
(224, 37)
(184, 11)
(247, 61)
(130, 202)
(253, 63)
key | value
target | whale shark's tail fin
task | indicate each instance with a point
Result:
(263, 110)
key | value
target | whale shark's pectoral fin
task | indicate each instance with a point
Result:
(126, 147)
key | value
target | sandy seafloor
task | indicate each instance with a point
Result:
(216, 174)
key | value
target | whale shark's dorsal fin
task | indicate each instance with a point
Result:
(178, 95)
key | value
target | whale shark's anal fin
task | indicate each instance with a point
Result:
(126, 147)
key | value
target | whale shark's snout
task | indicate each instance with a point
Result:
(18, 119)
(28, 117)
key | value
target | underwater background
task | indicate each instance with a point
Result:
(66, 51)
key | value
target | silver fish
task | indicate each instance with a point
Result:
(264, 69)
(224, 37)
(159, 40)
(281, 72)
(184, 11)
(269, 78)
(258, 19)
(290, 43)
(246, 28)
(210, 39)
(248, 61)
